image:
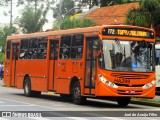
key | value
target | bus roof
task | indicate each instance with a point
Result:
(71, 31)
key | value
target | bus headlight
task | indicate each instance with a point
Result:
(106, 82)
(149, 85)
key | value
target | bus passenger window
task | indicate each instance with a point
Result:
(8, 50)
(42, 48)
(77, 46)
(24, 49)
(32, 53)
(65, 48)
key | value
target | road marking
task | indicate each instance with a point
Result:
(1, 118)
(39, 118)
(77, 118)
(30, 104)
(112, 118)
(1, 102)
(16, 101)
(17, 105)
(55, 104)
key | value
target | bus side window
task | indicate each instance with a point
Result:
(8, 50)
(65, 48)
(32, 53)
(77, 46)
(42, 48)
(157, 56)
(24, 49)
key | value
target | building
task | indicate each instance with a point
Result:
(115, 14)
(112, 15)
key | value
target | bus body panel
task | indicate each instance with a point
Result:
(37, 70)
(66, 71)
(7, 73)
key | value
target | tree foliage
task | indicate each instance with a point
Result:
(67, 8)
(4, 32)
(147, 15)
(31, 20)
(104, 3)
(3, 35)
(68, 23)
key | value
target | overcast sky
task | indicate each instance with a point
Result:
(16, 12)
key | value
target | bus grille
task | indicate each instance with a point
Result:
(126, 85)
(130, 76)
(124, 92)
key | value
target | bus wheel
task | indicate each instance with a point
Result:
(123, 101)
(27, 87)
(77, 98)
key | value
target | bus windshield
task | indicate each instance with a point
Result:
(127, 56)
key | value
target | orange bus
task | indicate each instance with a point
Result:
(116, 61)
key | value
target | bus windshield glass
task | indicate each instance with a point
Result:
(127, 56)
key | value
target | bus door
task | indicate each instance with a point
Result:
(90, 73)
(15, 50)
(53, 62)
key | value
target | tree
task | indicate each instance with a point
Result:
(3, 35)
(32, 21)
(66, 5)
(104, 3)
(68, 23)
(6, 31)
(37, 3)
(147, 15)
(91, 3)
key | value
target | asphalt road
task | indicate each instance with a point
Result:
(13, 102)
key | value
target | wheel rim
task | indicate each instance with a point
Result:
(77, 94)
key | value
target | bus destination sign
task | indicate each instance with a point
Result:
(128, 32)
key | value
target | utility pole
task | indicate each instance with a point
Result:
(60, 14)
(35, 6)
(11, 19)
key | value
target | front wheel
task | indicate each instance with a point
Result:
(123, 101)
(77, 98)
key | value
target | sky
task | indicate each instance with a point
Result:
(16, 12)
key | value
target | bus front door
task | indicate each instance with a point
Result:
(15, 47)
(52, 63)
(90, 73)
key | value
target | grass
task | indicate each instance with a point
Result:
(147, 100)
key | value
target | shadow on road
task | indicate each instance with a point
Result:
(95, 103)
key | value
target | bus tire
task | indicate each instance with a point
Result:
(123, 101)
(27, 87)
(76, 94)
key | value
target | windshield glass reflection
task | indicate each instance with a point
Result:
(127, 55)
